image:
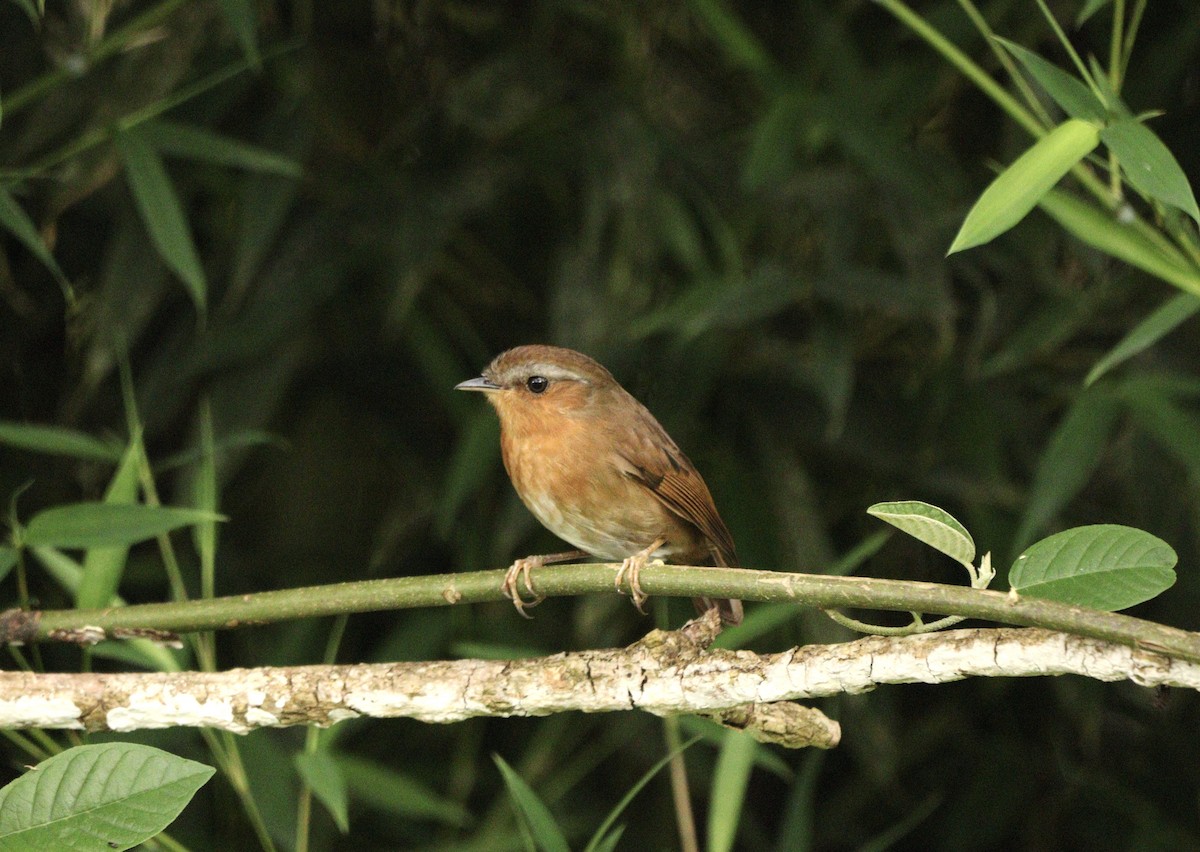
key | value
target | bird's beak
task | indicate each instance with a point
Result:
(478, 384)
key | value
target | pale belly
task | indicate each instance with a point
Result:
(605, 537)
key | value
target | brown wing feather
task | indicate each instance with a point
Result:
(686, 495)
(678, 485)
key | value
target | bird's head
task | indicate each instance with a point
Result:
(532, 385)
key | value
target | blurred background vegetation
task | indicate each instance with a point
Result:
(743, 212)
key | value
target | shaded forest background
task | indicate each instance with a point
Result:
(744, 214)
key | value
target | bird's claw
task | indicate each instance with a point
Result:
(631, 569)
(522, 568)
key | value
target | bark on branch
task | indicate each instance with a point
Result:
(666, 673)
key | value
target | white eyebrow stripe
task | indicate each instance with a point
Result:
(554, 373)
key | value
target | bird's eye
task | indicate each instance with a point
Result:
(537, 384)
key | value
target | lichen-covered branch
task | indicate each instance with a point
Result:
(665, 673)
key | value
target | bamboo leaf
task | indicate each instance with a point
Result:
(57, 441)
(1019, 188)
(534, 813)
(1150, 166)
(162, 213)
(102, 524)
(323, 775)
(1070, 93)
(14, 220)
(1102, 231)
(730, 779)
(1165, 319)
(104, 565)
(242, 17)
(1069, 459)
(1090, 8)
(196, 143)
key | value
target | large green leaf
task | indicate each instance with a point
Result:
(1126, 242)
(1149, 165)
(1104, 566)
(1019, 188)
(103, 524)
(97, 797)
(162, 213)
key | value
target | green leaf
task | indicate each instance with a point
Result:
(929, 524)
(1177, 430)
(195, 143)
(609, 842)
(1017, 189)
(204, 498)
(1150, 166)
(1117, 108)
(103, 566)
(1090, 8)
(471, 464)
(772, 149)
(603, 837)
(31, 11)
(58, 441)
(1100, 230)
(162, 213)
(534, 813)
(101, 524)
(64, 570)
(740, 45)
(1069, 459)
(1104, 566)
(8, 559)
(386, 790)
(1070, 93)
(14, 220)
(242, 17)
(730, 778)
(92, 797)
(1146, 333)
(323, 775)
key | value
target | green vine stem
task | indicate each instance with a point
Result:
(812, 590)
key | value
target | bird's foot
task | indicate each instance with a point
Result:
(630, 571)
(523, 568)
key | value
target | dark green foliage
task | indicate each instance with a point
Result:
(743, 213)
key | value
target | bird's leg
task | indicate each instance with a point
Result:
(523, 568)
(632, 567)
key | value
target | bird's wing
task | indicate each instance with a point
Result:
(672, 478)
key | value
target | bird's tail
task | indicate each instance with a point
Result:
(730, 610)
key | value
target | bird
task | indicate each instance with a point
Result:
(597, 469)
